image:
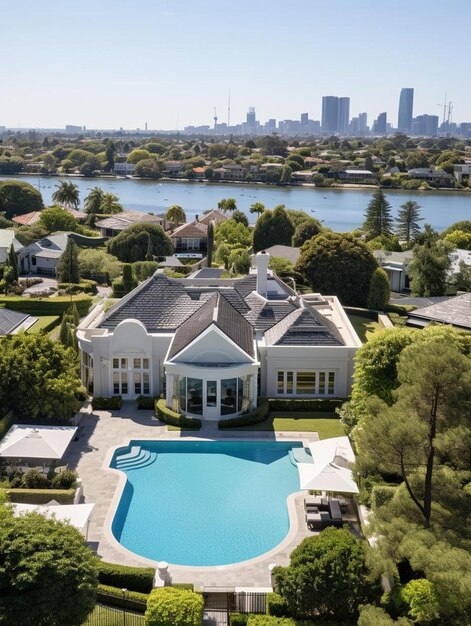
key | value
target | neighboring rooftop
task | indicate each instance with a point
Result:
(11, 321)
(31, 218)
(304, 327)
(455, 311)
(36, 442)
(193, 229)
(120, 221)
(214, 215)
(285, 252)
(7, 237)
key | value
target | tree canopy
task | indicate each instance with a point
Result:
(338, 264)
(378, 219)
(18, 198)
(93, 200)
(170, 606)
(57, 218)
(132, 244)
(305, 231)
(273, 227)
(407, 221)
(429, 267)
(67, 269)
(67, 194)
(232, 233)
(175, 214)
(48, 573)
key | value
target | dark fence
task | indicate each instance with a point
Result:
(107, 616)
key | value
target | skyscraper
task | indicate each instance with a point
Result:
(379, 126)
(362, 122)
(344, 115)
(330, 114)
(406, 105)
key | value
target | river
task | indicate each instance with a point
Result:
(339, 209)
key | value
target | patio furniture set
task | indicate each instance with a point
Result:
(321, 512)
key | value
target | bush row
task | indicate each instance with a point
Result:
(251, 619)
(88, 286)
(47, 306)
(41, 496)
(146, 402)
(276, 605)
(114, 596)
(168, 416)
(321, 405)
(122, 576)
(107, 404)
(254, 417)
(35, 479)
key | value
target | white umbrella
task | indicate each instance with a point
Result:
(330, 477)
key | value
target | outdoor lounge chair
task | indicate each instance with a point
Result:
(317, 520)
(335, 512)
(315, 502)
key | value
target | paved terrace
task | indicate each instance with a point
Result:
(100, 431)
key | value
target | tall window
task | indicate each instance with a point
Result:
(131, 376)
(305, 383)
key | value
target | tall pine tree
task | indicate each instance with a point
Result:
(13, 262)
(408, 218)
(378, 218)
(68, 266)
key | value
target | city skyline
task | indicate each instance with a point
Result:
(116, 64)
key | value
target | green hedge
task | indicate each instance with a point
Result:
(107, 404)
(381, 495)
(45, 324)
(122, 576)
(146, 402)
(47, 306)
(239, 619)
(269, 620)
(255, 417)
(276, 605)
(168, 605)
(86, 285)
(168, 416)
(41, 496)
(321, 405)
(188, 586)
(114, 596)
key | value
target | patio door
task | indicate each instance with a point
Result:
(211, 409)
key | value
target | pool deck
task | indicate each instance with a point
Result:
(100, 432)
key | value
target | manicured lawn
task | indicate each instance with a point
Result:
(44, 322)
(102, 616)
(325, 424)
(364, 326)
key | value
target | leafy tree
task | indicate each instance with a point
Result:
(285, 175)
(18, 198)
(338, 264)
(132, 243)
(91, 166)
(67, 269)
(380, 290)
(298, 217)
(149, 168)
(258, 208)
(233, 233)
(138, 155)
(273, 227)
(210, 245)
(56, 218)
(67, 194)
(227, 204)
(327, 577)
(170, 606)
(239, 261)
(175, 214)
(49, 575)
(463, 225)
(11, 165)
(110, 204)
(407, 221)
(110, 151)
(459, 239)
(223, 253)
(94, 200)
(39, 378)
(422, 600)
(376, 616)
(462, 279)
(434, 395)
(240, 217)
(4, 223)
(13, 262)
(384, 243)
(97, 263)
(428, 269)
(305, 231)
(378, 219)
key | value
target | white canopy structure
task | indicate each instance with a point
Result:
(77, 515)
(36, 442)
(329, 468)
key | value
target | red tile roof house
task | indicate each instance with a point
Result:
(31, 218)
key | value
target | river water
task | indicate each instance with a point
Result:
(339, 209)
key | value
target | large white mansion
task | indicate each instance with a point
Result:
(212, 345)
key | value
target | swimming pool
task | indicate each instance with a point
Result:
(204, 503)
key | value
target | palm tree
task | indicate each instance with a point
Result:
(258, 208)
(175, 214)
(93, 200)
(110, 204)
(227, 204)
(67, 194)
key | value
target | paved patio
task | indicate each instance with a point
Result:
(100, 431)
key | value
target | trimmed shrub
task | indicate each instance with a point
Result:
(239, 619)
(269, 620)
(122, 576)
(114, 596)
(169, 606)
(85, 285)
(146, 402)
(168, 416)
(320, 405)
(107, 404)
(144, 269)
(34, 479)
(67, 479)
(188, 586)
(41, 496)
(254, 417)
(381, 495)
(47, 306)
(276, 605)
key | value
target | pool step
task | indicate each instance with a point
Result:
(138, 459)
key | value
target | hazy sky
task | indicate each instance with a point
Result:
(112, 63)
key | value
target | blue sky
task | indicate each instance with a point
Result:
(112, 63)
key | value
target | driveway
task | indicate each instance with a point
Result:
(48, 284)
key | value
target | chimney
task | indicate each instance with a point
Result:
(261, 260)
(197, 217)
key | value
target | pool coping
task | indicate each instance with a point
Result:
(294, 525)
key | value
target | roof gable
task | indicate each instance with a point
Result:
(304, 327)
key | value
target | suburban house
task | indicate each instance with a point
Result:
(434, 177)
(114, 224)
(355, 175)
(231, 171)
(455, 311)
(124, 169)
(396, 266)
(211, 346)
(174, 168)
(190, 238)
(42, 257)
(462, 172)
(7, 238)
(215, 215)
(31, 218)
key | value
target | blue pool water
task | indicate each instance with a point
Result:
(204, 503)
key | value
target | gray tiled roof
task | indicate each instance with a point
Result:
(218, 311)
(304, 327)
(9, 320)
(455, 311)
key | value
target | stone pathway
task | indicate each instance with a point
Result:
(100, 431)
